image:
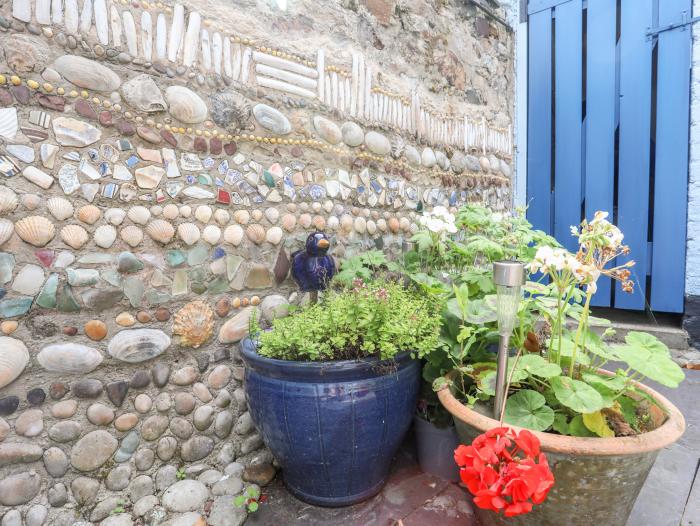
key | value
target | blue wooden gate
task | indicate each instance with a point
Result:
(608, 121)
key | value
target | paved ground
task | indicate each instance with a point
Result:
(671, 496)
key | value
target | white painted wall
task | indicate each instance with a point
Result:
(692, 279)
(520, 128)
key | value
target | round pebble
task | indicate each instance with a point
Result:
(143, 316)
(162, 314)
(184, 403)
(143, 403)
(125, 319)
(8, 326)
(95, 330)
(64, 409)
(70, 331)
(100, 414)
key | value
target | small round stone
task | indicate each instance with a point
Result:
(143, 403)
(219, 377)
(58, 390)
(184, 376)
(166, 448)
(9, 326)
(143, 459)
(125, 319)
(200, 391)
(143, 316)
(163, 402)
(95, 330)
(36, 396)
(162, 314)
(30, 423)
(184, 403)
(223, 307)
(64, 409)
(70, 330)
(100, 414)
(118, 478)
(126, 421)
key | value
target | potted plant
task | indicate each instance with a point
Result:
(333, 387)
(598, 429)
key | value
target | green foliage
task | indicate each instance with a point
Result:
(363, 266)
(249, 500)
(527, 408)
(119, 508)
(180, 474)
(379, 319)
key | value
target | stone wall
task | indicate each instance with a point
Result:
(160, 163)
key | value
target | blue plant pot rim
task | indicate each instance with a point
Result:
(330, 371)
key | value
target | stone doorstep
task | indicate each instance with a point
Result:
(673, 337)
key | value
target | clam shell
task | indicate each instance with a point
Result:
(319, 222)
(115, 216)
(14, 357)
(60, 208)
(404, 224)
(170, 211)
(381, 224)
(160, 230)
(138, 345)
(142, 93)
(35, 230)
(88, 214)
(360, 225)
(156, 210)
(105, 236)
(333, 223)
(222, 217)
(132, 235)
(6, 230)
(305, 220)
(69, 358)
(74, 236)
(185, 105)
(189, 233)
(256, 233)
(31, 201)
(139, 214)
(203, 213)
(272, 215)
(316, 206)
(289, 222)
(8, 200)
(185, 210)
(257, 215)
(274, 235)
(271, 119)
(194, 323)
(346, 223)
(328, 206)
(371, 227)
(86, 73)
(233, 235)
(242, 217)
(211, 234)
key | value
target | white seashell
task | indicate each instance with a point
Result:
(14, 357)
(30, 201)
(88, 214)
(221, 216)
(138, 345)
(256, 233)
(132, 235)
(346, 223)
(371, 227)
(160, 230)
(352, 134)
(304, 207)
(328, 206)
(156, 210)
(381, 224)
(6, 230)
(291, 207)
(360, 225)
(289, 222)
(86, 73)
(142, 94)
(35, 230)
(69, 358)
(271, 119)
(105, 236)
(257, 215)
(203, 213)
(332, 223)
(377, 143)
(74, 236)
(170, 211)
(185, 105)
(242, 217)
(412, 155)
(404, 224)
(60, 208)
(185, 210)
(305, 220)
(319, 222)
(328, 130)
(139, 214)
(8, 200)
(274, 235)
(115, 216)
(272, 215)
(233, 235)
(414, 228)
(428, 158)
(316, 206)
(211, 234)
(189, 233)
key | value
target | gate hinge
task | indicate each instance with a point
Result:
(683, 24)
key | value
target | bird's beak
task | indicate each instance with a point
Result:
(323, 243)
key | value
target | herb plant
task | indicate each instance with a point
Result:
(249, 500)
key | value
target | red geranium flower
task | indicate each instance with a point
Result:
(505, 471)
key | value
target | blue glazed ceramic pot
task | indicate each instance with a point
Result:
(333, 426)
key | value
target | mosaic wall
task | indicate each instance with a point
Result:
(159, 163)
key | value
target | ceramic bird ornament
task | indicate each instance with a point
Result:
(313, 268)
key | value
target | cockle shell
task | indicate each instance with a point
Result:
(221, 216)
(333, 223)
(328, 206)
(35, 230)
(371, 227)
(74, 236)
(60, 208)
(88, 214)
(346, 223)
(316, 206)
(156, 210)
(138, 345)
(142, 94)
(381, 224)
(6, 230)
(304, 207)
(139, 214)
(185, 105)
(185, 210)
(289, 221)
(404, 224)
(291, 207)
(233, 235)
(8, 200)
(115, 216)
(132, 235)
(274, 235)
(319, 222)
(256, 233)
(241, 217)
(257, 215)
(105, 236)
(170, 211)
(189, 233)
(272, 215)
(14, 357)
(30, 201)
(194, 323)
(69, 358)
(305, 220)
(211, 234)
(360, 225)
(203, 213)
(160, 230)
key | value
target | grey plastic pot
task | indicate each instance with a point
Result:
(597, 480)
(435, 447)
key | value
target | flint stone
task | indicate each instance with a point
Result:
(118, 478)
(20, 488)
(13, 453)
(196, 448)
(64, 431)
(186, 495)
(55, 462)
(84, 490)
(93, 450)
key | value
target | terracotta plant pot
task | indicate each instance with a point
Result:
(597, 480)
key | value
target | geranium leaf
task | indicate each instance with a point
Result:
(578, 429)
(647, 341)
(651, 358)
(527, 409)
(560, 424)
(596, 422)
(487, 383)
(576, 395)
(536, 365)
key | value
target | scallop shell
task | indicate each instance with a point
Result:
(346, 222)
(203, 214)
(60, 208)
(333, 223)
(14, 357)
(194, 324)
(31, 201)
(241, 217)
(289, 221)
(256, 233)
(6, 230)
(304, 207)
(360, 225)
(397, 146)
(8, 200)
(185, 210)
(189, 233)
(233, 235)
(211, 234)
(381, 224)
(221, 216)
(170, 211)
(319, 222)
(74, 236)
(160, 230)
(35, 230)
(138, 345)
(291, 207)
(272, 215)
(115, 216)
(404, 224)
(257, 215)
(156, 210)
(69, 358)
(139, 214)
(305, 220)
(105, 236)
(88, 214)
(328, 206)
(371, 227)
(274, 235)
(132, 235)
(316, 206)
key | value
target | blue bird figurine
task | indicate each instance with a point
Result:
(313, 268)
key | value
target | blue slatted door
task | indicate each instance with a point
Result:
(608, 109)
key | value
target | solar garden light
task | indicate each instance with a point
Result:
(509, 277)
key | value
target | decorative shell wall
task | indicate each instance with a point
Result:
(159, 162)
